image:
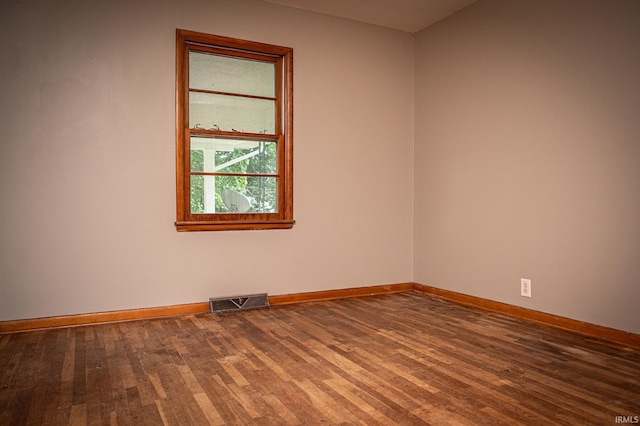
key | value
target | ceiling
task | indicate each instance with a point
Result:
(404, 15)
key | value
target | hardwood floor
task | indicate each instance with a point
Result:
(401, 358)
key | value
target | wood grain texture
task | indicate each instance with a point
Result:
(401, 358)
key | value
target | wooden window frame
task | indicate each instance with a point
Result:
(283, 218)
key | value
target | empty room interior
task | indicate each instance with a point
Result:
(462, 244)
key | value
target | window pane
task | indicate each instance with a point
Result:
(231, 113)
(233, 155)
(232, 75)
(234, 194)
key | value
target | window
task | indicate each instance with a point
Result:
(234, 134)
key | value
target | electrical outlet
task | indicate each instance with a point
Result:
(525, 287)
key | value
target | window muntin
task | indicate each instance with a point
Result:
(234, 134)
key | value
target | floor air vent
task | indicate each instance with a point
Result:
(219, 305)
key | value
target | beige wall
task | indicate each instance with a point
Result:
(527, 156)
(527, 160)
(87, 158)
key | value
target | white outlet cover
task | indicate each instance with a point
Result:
(525, 287)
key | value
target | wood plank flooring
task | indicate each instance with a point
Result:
(392, 359)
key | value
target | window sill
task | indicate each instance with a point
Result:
(232, 226)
